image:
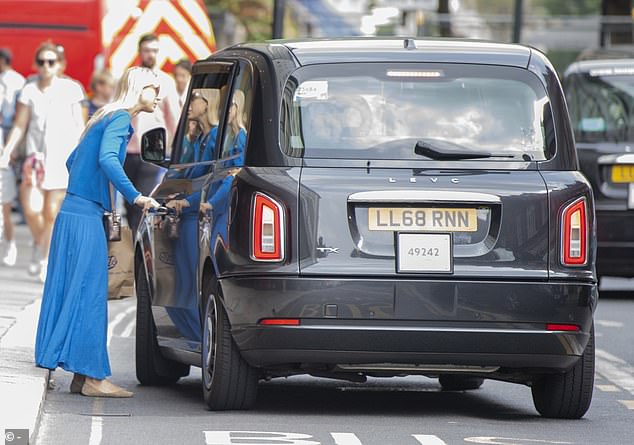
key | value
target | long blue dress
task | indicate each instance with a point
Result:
(72, 328)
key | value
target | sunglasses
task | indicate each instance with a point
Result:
(51, 62)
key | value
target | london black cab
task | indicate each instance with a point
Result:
(600, 95)
(352, 208)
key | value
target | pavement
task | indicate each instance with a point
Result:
(22, 385)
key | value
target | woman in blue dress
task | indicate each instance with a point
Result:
(72, 328)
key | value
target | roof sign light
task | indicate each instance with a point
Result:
(613, 71)
(427, 73)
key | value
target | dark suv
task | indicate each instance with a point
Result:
(352, 208)
(600, 93)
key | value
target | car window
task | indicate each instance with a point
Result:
(198, 127)
(238, 118)
(600, 103)
(382, 110)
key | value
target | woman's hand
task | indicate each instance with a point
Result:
(145, 202)
(177, 204)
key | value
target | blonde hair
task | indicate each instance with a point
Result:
(238, 98)
(212, 97)
(128, 92)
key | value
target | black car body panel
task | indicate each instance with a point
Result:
(497, 310)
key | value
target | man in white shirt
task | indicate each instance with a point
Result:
(143, 175)
(11, 82)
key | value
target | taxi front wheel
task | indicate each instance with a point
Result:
(229, 382)
(567, 395)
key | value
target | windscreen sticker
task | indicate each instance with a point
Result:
(312, 89)
(592, 124)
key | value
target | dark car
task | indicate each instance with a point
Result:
(600, 94)
(353, 208)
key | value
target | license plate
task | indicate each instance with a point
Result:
(424, 253)
(423, 219)
(622, 173)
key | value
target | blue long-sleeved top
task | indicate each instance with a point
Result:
(98, 160)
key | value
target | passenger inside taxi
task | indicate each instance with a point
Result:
(322, 125)
(236, 133)
(203, 108)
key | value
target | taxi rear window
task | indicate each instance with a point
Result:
(382, 111)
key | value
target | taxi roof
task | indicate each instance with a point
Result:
(439, 50)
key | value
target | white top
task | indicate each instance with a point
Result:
(11, 82)
(165, 115)
(55, 126)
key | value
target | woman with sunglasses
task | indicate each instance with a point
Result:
(72, 329)
(50, 113)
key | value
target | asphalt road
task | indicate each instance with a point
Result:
(311, 411)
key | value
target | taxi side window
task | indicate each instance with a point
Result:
(198, 127)
(237, 119)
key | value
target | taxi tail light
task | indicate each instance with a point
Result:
(267, 229)
(280, 322)
(562, 327)
(575, 234)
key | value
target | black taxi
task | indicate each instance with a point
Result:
(370, 207)
(599, 89)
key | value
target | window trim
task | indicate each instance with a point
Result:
(241, 63)
(199, 68)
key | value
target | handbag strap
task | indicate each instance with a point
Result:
(113, 200)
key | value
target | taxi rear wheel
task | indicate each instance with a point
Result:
(567, 395)
(229, 382)
(151, 367)
(459, 382)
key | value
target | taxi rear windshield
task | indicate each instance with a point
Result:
(407, 111)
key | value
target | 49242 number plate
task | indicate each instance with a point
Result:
(424, 253)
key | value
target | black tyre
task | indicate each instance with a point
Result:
(151, 367)
(459, 382)
(229, 382)
(567, 395)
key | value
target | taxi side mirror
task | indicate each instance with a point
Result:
(154, 147)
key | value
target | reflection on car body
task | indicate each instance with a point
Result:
(370, 210)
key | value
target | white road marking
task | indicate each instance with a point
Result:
(607, 388)
(510, 441)
(346, 439)
(271, 438)
(129, 328)
(629, 404)
(118, 319)
(96, 431)
(96, 425)
(609, 357)
(609, 323)
(427, 439)
(616, 370)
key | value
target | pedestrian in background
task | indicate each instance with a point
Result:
(182, 73)
(72, 328)
(11, 82)
(146, 176)
(50, 113)
(102, 87)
